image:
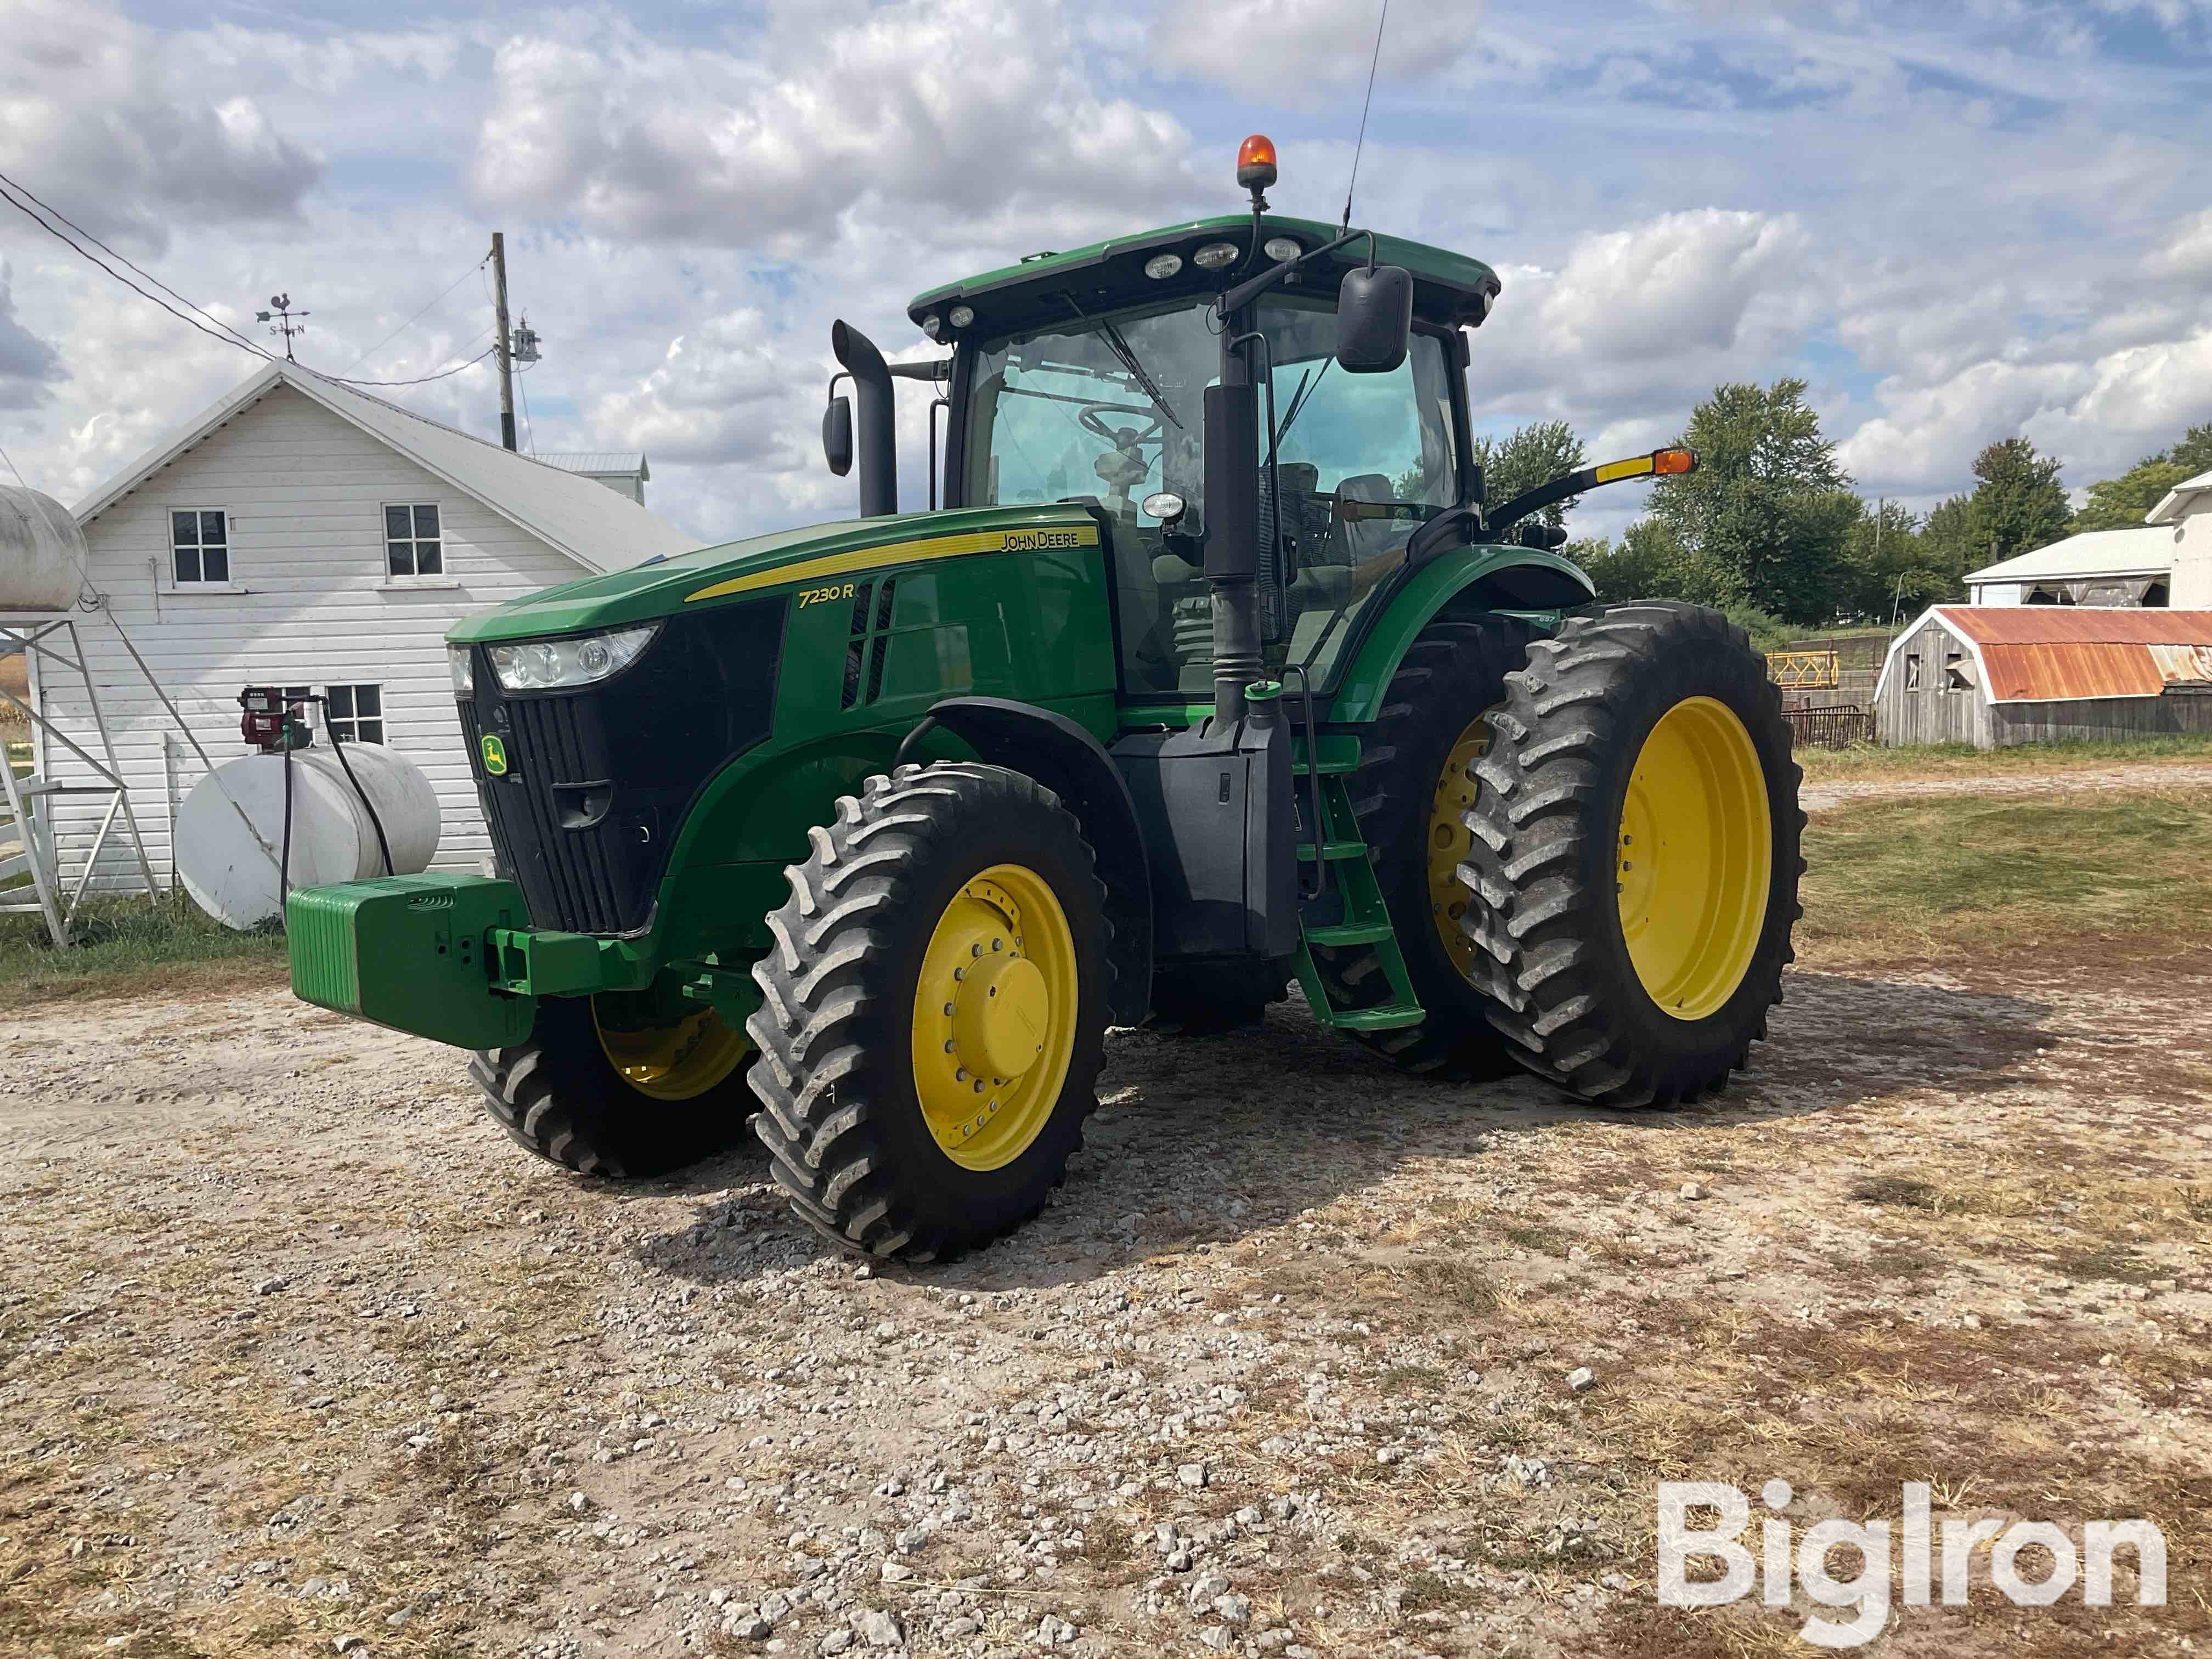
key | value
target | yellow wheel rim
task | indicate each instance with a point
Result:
(1449, 838)
(995, 1013)
(672, 1061)
(1696, 857)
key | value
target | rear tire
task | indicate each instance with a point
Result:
(932, 892)
(1413, 769)
(560, 1096)
(1635, 854)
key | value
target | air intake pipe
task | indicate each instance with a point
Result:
(875, 438)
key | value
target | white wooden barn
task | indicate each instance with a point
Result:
(304, 534)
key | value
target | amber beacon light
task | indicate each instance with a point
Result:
(1255, 162)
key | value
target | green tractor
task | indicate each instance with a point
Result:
(1215, 669)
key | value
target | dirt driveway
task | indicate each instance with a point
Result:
(299, 1355)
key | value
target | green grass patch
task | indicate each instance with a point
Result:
(1947, 877)
(131, 948)
(1963, 760)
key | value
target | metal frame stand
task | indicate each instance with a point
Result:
(40, 857)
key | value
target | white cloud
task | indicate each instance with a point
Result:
(1307, 51)
(98, 120)
(28, 364)
(923, 114)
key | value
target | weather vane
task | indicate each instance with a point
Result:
(280, 307)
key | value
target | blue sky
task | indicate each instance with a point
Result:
(1958, 222)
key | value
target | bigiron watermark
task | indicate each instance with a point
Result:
(1933, 1562)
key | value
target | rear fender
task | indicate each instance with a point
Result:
(1061, 755)
(1467, 580)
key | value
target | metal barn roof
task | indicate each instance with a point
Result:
(2068, 653)
(625, 461)
(594, 526)
(2148, 551)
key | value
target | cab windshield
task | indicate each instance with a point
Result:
(1109, 410)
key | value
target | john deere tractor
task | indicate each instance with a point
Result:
(1214, 670)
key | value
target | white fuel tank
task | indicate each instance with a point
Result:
(230, 869)
(42, 553)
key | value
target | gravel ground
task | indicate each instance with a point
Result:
(298, 1354)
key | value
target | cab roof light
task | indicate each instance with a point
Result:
(1255, 162)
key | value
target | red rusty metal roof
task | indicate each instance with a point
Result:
(2057, 654)
(2076, 624)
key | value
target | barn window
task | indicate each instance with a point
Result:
(1957, 676)
(199, 544)
(356, 713)
(414, 545)
(1912, 671)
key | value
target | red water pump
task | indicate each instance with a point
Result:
(267, 724)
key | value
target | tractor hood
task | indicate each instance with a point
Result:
(764, 564)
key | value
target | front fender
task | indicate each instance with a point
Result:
(1515, 579)
(1062, 755)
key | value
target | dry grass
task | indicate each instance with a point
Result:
(1942, 878)
(1960, 760)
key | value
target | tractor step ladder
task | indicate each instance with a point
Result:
(1363, 943)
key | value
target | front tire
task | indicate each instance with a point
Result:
(934, 1011)
(611, 1086)
(1635, 854)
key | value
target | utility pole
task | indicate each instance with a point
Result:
(504, 344)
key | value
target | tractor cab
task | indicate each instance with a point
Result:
(1104, 376)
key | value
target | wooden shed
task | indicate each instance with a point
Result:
(1992, 676)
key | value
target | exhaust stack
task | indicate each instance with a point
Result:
(875, 439)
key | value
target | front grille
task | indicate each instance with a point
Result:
(598, 781)
(572, 880)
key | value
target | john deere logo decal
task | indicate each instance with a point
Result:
(495, 756)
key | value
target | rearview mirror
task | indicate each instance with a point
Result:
(837, 435)
(1374, 319)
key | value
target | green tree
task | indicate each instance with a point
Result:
(1652, 561)
(2121, 503)
(2018, 505)
(2193, 454)
(1893, 567)
(1530, 455)
(1769, 506)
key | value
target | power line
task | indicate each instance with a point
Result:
(420, 380)
(416, 319)
(229, 335)
(48, 207)
(11, 467)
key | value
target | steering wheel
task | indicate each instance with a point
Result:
(1153, 431)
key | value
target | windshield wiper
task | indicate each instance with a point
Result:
(1120, 348)
(1298, 399)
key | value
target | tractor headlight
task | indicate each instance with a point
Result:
(1161, 266)
(1217, 256)
(462, 667)
(1280, 248)
(558, 664)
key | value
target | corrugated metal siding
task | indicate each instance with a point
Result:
(304, 489)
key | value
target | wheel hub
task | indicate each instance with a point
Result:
(994, 1011)
(1695, 858)
(1002, 1014)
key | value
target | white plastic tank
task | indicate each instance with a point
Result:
(42, 553)
(230, 868)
